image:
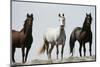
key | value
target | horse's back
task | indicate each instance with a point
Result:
(80, 35)
(14, 31)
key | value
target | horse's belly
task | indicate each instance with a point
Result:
(50, 38)
(17, 44)
(16, 40)
(52, 35)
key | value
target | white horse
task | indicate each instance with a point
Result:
(55, 37)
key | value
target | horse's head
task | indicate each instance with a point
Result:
(62, 19)
(88, 18)
(28, 23)
(87, 22)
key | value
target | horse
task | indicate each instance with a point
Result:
(54, 37)
(82, 35)
(23, 38)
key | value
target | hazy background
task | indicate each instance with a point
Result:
(46, 16)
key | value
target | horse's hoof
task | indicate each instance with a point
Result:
(13, 61)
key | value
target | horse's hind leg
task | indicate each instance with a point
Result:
(23, 53)
(84, 49)
(27, 50)
(47, 45)
(49, 54)
(80, 48)
(72, 44)
(13, 52)
(57, 50)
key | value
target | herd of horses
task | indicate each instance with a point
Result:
(52, 37)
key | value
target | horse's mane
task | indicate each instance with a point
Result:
(24, 27)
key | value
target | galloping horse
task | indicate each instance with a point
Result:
(82, 35)
(23, 39)
(55, 37)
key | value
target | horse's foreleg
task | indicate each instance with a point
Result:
(23, 53)
(62, 51)
(80, 48)
(13, 52)
(27, 50)
(57, 50)
(84, 49)
(49, 55)
(90, 46)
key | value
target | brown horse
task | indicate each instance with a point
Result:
(82, 35)
(23, 39)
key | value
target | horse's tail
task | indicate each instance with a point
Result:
(72, 41)
(44, 47)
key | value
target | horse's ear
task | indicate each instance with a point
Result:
(31, 15)
(90, 14)
(63, 14)
(59, 15)
(27, 15)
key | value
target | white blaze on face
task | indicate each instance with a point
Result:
(61, 20)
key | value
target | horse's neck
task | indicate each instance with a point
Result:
(61, 33)
(62, 30)
(85, 28)
(29, 32)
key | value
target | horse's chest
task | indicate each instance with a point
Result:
(61, 39)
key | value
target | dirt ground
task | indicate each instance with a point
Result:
(65, 60)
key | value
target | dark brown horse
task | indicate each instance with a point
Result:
(82, 35)
(23, 39)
